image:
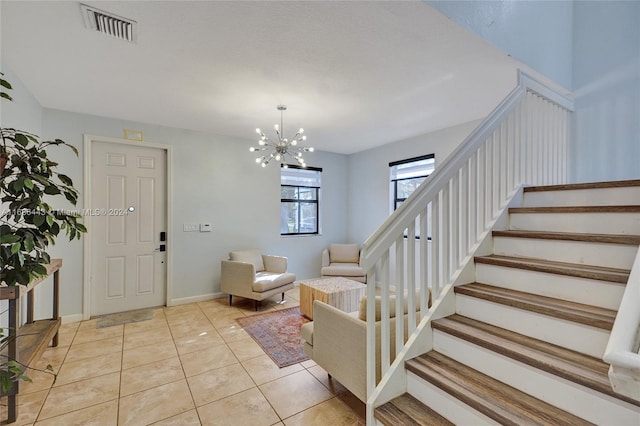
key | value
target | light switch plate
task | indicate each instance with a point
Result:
(190, 227)
(205, 227)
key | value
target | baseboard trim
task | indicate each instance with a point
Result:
(68, 319)
(194, 299)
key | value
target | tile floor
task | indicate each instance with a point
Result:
(189, 365)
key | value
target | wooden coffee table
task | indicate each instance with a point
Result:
(342, 293)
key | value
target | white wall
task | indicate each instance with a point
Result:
(369, 175)
(606, 80)
(537, 33)
(214, 180)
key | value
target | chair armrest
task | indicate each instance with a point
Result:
(276, 264)
(236, 275)
(325, 258)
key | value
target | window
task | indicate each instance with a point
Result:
(300, 200)
(407, 175)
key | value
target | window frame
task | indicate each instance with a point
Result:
(395, 201)
(301, 202)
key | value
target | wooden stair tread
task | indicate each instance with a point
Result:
(588, 185)
(569, 236)
(577, 209)
(570, 365)
(600, 273)
(577, 312)
(500, 402)
(407, 410)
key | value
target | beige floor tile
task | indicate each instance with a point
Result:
(214, 305)
(191, 329)
(66, 336)
(147, 354)
(231, 313)
(53, 356)
(189, 418)
(155, 404)
(178, 309)
(89, 324)
(192, 343)
(150, 376)
(308, 363)
(40, 380)
(226, 320)
(232, 333)
(245, 349)
(331, 384)
(87, 368)
(262, 369)
(198, 362)
(147, 337)
(245, 408)
(264, 308)
(88, 335)
(94, 349)
(217, 384)
(28, 408)
(82, 394)
(332, 412)
(136, 327)
(292, 394)
(185, 317)
(105, 414)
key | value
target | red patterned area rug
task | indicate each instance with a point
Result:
(278, 333)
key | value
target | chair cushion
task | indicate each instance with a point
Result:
(343, 270)
(267, 281)
(362, 313)
(249, 256)
(344, 253)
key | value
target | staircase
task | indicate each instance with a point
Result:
(526, 341)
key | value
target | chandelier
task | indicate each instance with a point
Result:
(282, 149)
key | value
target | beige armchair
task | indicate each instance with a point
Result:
(337, 342)
(256, 276)
(342, 260)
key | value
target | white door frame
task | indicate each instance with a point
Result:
(87, 257)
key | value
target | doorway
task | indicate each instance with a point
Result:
(126, 204)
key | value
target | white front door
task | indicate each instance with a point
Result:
(128, 214)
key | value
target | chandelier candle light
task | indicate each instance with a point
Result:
(283, 149)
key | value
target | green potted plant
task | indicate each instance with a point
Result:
(28, 223)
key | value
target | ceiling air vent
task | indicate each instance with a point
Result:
(108, 23)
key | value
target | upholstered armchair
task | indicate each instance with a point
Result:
(256, 276)
(342, 260)
(337, 341)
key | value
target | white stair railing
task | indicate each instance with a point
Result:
(523, 141)
(623, 350)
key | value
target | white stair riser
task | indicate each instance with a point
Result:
(594, 223)
(444, 404)
(578, 337)
(580, 290)
(584, 197)
(569, 396)
(581, 252)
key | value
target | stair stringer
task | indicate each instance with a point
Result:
(394, 382)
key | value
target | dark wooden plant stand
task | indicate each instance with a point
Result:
(27, 343)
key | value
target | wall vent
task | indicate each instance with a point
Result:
(108, 23)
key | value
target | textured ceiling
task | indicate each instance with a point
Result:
(354, 74)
